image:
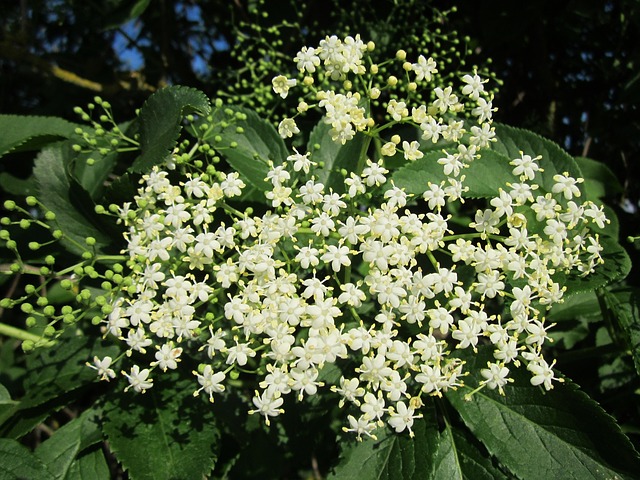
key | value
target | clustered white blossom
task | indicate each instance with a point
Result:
(350, 278)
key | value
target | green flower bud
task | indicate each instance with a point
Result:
(49, 331)
(68, 319)
(27, 346)
(9, 205)
(42, 301)
(44, 271)
(24, 224)
(32, 201)
(49, 310)
(26, 307)
(97, 320)
(30, 322)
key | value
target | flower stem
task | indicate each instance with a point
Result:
(19, 334)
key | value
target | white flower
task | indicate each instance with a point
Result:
(474, 86)
(308, 257)
(103, 367)
(268, 404)
(401, 418)
(282, 84)
(239, 354)
(542, 373)
(411, 150)
(397, 110)
(211, 382)
(374, 173)
(288, 128)
(351, 295)
(526, 166)
(300, 162)
(495, 376)
(446, 100)
(361, 426)
(350, 390)
(138, 379)
(424, 69)
(566, 185)
(338, 256)
(167, 357)
(307, 60)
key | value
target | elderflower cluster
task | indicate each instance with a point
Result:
(364, 279)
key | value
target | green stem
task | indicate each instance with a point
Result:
(362, 157)
(19, 334)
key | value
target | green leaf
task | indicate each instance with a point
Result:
(24, 421)
(255, 145)
(392, 456)
(582, 304)
(31, 133)
(60, 451)
(538, 434)
(625, 307)
(334, 156)
(161, 121)
(89, 464)
(56, 193)
(18, 462)
(63, 368)
(92, 177)
(167, 433)
(17, 186)
(484, 176)
(415, 176)
(459, 457)
(511, 141)
(7, 406)
(124, 11)
(600, 181)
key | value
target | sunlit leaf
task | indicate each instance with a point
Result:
(557, 434)
(161, 121)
